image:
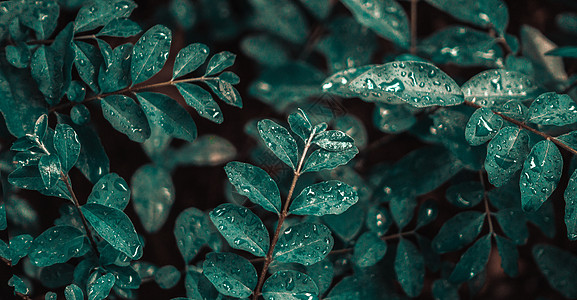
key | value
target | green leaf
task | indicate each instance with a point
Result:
(114, 74)
(167, 277)
(540, 175)
(290, 285)
(348, 224)
(126, 116)
(465, 194)
(567, 51)
(18, 55)
(322, 159)
(231, 275)
(76, 93)
(553, 109)
(189, 59)
(114, 227)
(346, 289)
(322, 274)
(120, 28)
(443, 289)
(393, 118)
(100, 288)
(192, 230)
(473, 261)
(150, 53)
(304, 243)
(49, 168)
(166, 112)
(333, 140)
(201, 101)
(482, 126)
(99, 13)
(73, 292)
(19, 247)
(328, 197)
(498, 86)
(570, 196)
(369, 249)
(416, 83)
(487, 14)
(225, 92)
(46, 69)
(402, 208)
(153, 196)
(41, 16)
(266, 49)
(505, 154)
(207, 150)
(459, 231)
(279, 141)
(184, 13)
(87, 61)
(241, 228)
(111, 190)
(513, 223)
(56, 245)
(509, 256)
(300, 124)
(254, 183)
(283, 18)
(379, 220)
(19, 285)
(219, 62)
(559, 267)
(387, 18)
(410, 268)
(67, 146)
(27, 177)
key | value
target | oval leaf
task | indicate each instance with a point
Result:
(410, 268)
(189, 59)
(279, 141)
(369, 249)
(150, 53)
(153, 196)
(458, 231)
(192, 230)
(290, 285)
(231, 275)
(553, 109)
(172, 118)
(328, 197)
(126, 116)
(201, 101)
(482, 126)
(505, 155)
(56, 245)
(110, 190)
(67, 146)
(473, 261)
(304, 243)
(499, 86)
(540, 175)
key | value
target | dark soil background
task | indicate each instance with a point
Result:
(202, 187)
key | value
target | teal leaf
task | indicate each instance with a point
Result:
(458, 231)
(567, 51)
(410, 268)
(513, 224)
(219, 62)
(207, 150)
(41, 16)
(322, 159)
(67, 146)
(56, 245)
(126, 116)
(300, 124)
(167, 277)
(443, 289)
(100, 288)
(348, 224)
(241, 228)
(189, 59)
(19, 285)
(172, 118)
(149, 54)
(99, 13)
(120, 28)
(505, 154)
(18, 55)
(498, 86)
(76, 92)
(19, 247)
(369, 249)
(473, 261)
(50, 169)
(27, 177)
(570, 196)
(338, 84)
(387, 18)
(540, 175)
(553, 109)
(201, 101)
(266, 49)
(254, 183)
(328, 197)
(322, 274)
(465, 194)
(46, 69)
(333, 140)
(393, 118)
(487, 14)
(379, 220)
(225, 91)
(550, 69)
(198, 286)
(114, 227)
(304, 243)
(290, 285)
(509, 256)
(402, 208)
(153, 196)
(111, 190)
(87, 62)
(416, 83)
(3, 220)
(558, 266)
(279, 141)
(114, 74)
(126, 276)
(192, 230)
(569, 139)
(283, 18)
(231, 275)
(482, 126)
(73, 292)
(184, 13)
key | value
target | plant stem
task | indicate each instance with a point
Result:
(66, 180)
(384, 238)
(486, 201)
(413, 49)
(526, 127)
(268, 259)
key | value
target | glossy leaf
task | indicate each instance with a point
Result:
(290, 285)
(553, 109)
(458, 231)
(120, 28)
(279, 141)
(225, 92)
(328, 197)
(558, 266)
(67, 146)
(473, 260)
(201, 101)
(126, 116)
(167, 277)
(540, 175)
(112, 191)
(570, 196)
(254, 183)
(189, 59)
(488, 14)
(50, 168)
(497, 86)
(322, 159)
(153, 196)
(219, 62)
(100, 288)
(241, 228)
(73, 292)
(300, 124)
(304, 243)
(27, 177)
(409, 267)
(393, 118)
(114, 74)
(482, 126)
(192, 230)
(505, 154)
(509, 256)
(149, 54)
(46, 69)
(114, 227)
(231, 275)
(333, 140)
(41, 16)
(465, 194)
(19, 285)
(99, 13)
(512, 222)
(379, 220)
(87, 62)
(56, 245)
(369, 249)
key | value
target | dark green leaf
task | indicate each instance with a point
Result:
(466, 194)
(482, 126)
(184, 13)
(56, 245)
(225, 92)
(111, 190)
(369, 249)
(279, 141)
(473, 261)
(150, 53)
(553, 109)
(167, 277)
(322, 273)
(201, 101)
(512, 221)
(50, 169)
(18, 55)
(27, 177)
(498, 86)
(153, 196)
(353, 127)
(487, 14)
(571, 207)
(568, 51)
(348, 224)
(41, 16)
(402, 208)
(19, 285)
(540, 175)
(304, 243)
(265, 49)
(73, 292)
(393, 118)
(283, 18)
(192, 230)
(559, 267)
(219, 62)
(76, 93)
(328, 197)
(120, 28)
(99, 13)
(46, 69)
(333, 140)
(67, 146)
(207, 150)
(300, 124)
(410, 268)
(505, 154)
(126, 116)
(290, 285)
(459, 231)
(379, 220)
(444, 290)
(114, 74)
(100, 288)
(509, 256)
(254, 183)
(189, 59)
(322, 159)
(231, 275)
(87, 61)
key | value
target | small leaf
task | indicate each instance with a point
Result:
(20, 247)
(201, 101)
(167, 277)
(150, 52)
(100, 288)
(322, 274)
(172, 118)
(513, 223)
(41, 16)
(99, 13)
(73, 292)
(458, 231)
(189, 59)
(114, 74)
(379, 220)
(50, 168)
(393, 118)
(290, 285)
(505, 154)
(540, 175)
(46, 69)
(192, 230)
(225, 92)
(27, 177)
(571, 207)
(473, 261)
(254, 183)
(465, 194)
(482, 126)
(300, 124)
(333, 140)
(112, 191)
(87, 61)
(126, 116)
(553, 109)
(279, 141)
(18, 55)
(231, 275)
(67, 146)
(56, 245)
(402, 208)
(120, 28)
(348, 224)
(559, 267)
(241, 228)
(304, 243)
(369, 249)
(509, 256)
(19, 285)
(410, 268)
(498, 86)
(328, 197)
(322, 159)
(153, 196)
(219, 62)
(114, 227)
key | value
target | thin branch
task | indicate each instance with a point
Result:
(384, 238)
(486, 201)
(413, 49)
